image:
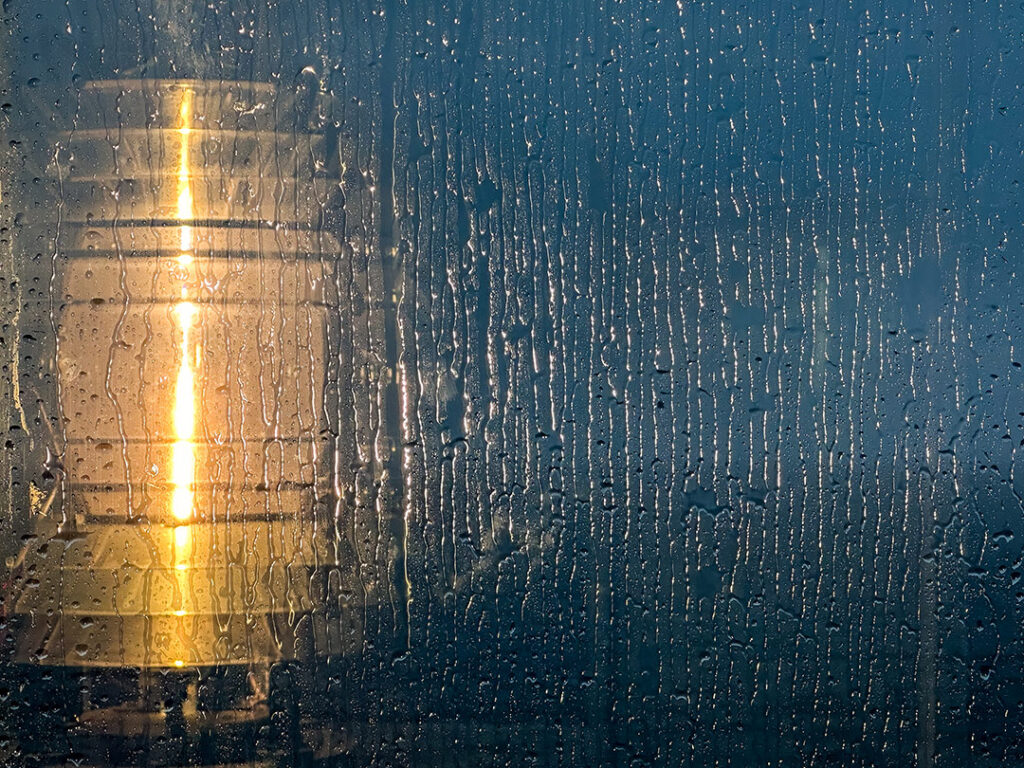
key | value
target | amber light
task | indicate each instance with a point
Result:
(198, 292)
(197, 286)
(183, 456)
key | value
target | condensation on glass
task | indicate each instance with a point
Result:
(501, 383)
(194, 292)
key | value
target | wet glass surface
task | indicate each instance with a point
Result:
(501, 384)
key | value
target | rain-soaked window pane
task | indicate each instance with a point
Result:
(495, 383)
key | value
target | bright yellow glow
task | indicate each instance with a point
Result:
(183, 456)
(182, 540)
(184, 401)
(182, 547)
(185, 257)
(181, 555)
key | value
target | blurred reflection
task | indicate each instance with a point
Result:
(197, 284)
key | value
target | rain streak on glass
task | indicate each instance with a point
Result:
(478, 383)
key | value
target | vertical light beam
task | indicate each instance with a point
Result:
(183, 457)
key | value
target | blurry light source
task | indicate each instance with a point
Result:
(196, 280)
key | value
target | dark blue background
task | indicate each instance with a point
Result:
(707, 397)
